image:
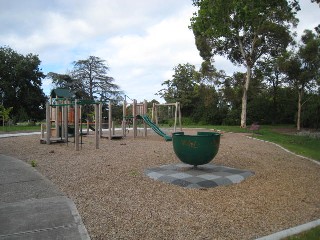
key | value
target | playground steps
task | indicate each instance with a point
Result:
(53, 140)
(113, 137)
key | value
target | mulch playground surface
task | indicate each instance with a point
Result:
(118, 199)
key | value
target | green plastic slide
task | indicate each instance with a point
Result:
(155, 128)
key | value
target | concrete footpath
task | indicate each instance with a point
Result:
(31, 207)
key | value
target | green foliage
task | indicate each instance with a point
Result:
(310, 116)
(181, 87)
(34, 163)
(4, 113)
(89, 80)
(256, 35)
(20, 85)
(302, 68)
(187, 121)
(244, 31)
(134, 173)
(91, 76)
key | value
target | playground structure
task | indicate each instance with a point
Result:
(62, 114)
(66, 115)
(139, 111)
(177, 113)
(63, 120)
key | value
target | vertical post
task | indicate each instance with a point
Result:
(88, 126)
(76, 125)
(67, 117)
(42, 130)
(145, 111)
(57, 119)
(156, 113)
(134, 113)
(100, 120)
(51, 111)
(97, 118)
(113, 129)
(175, 117)
(65, 120)
(110, 120)
(48, 123)
(80, 120)
(180, 117)
(152, 113)
(124, 110)
(63, 124)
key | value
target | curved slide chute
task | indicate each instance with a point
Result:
(155, 127)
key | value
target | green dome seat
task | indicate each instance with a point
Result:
(196, 149)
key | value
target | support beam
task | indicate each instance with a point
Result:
(48, 123)
(110, 120)
(65, 121)
(175, 117)
(134, 113)
(100, 120)
(97, 118)
(180, 116)
(57, 122)
(145, 110)
(76, 125)
(124, 113)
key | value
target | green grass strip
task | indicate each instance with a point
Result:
(312, 234)
(301, 145)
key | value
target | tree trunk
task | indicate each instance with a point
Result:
(300, 92)
(244, 99)
(275, 111)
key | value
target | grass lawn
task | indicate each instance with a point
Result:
(19, 128)
(302, 145)
(284, 136)
(312, 234)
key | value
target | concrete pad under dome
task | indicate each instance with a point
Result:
(203, 176)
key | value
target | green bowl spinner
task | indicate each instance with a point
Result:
(196, 149)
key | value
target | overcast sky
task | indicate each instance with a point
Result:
(140, 40)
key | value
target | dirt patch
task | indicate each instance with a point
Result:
(290, 131)
(116, 200)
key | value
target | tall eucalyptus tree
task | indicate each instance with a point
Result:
(243, 31)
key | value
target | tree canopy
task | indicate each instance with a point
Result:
(20, 85)
(181, 87)
(88, 80)
(303, 67)
(243, 31)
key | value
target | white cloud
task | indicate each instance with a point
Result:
(309, 16)
(154, 53)
(140, 40)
